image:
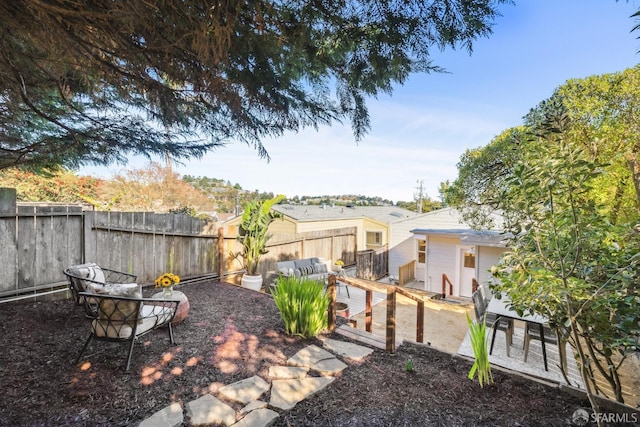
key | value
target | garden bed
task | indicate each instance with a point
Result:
(231, 334)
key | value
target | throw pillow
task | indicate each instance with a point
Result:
(320, 268)
(119, 310)
(284, 271)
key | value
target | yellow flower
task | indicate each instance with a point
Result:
(166, 280)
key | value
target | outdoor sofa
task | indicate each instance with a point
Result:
(312, 268)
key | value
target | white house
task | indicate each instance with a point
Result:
(441, 244)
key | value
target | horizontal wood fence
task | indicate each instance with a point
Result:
(38, 242)
(328, 245)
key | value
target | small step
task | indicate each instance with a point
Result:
(451, 299)
(362, 336)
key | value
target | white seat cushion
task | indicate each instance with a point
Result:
(152, 315)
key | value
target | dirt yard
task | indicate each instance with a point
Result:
(231, 334)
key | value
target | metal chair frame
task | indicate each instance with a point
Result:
(125, 319)
(546, 335)
(491, 320)
(77, 283)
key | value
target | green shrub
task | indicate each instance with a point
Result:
(478, 338)
(303, 305)
(408, 365)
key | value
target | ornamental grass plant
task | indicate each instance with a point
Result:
(479, 341)
(303, 305)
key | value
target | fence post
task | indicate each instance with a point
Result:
(331, 292)
(420, 324)
(391, 319)
(221, 259)
(368, 310)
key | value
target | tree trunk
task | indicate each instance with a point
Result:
(634, 165)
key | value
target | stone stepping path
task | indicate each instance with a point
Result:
(289, 385)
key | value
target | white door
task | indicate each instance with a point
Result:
(467, 271)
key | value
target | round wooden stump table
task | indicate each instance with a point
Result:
(183, 307)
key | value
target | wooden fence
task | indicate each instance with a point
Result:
(339, 243)
(372, 264)
(407, 273)
(38, 242)
(36, 246)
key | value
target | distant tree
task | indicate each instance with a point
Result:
(428, 205)
(154, 188)
(442, 191)
(93, 82)
(61, 185)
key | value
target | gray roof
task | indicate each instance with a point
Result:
(448, 222)
(386, 214)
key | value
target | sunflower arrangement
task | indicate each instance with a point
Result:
(167, 280)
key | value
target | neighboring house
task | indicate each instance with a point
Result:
(441, 243)
(372, 222)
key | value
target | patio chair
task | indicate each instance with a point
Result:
(497, 323)
(125, 318)
(84, 276)
(532, 331)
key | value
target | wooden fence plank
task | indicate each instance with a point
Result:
(38, 244)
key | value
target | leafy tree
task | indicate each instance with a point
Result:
(602, 119)
(604, 114)
(60, 186)
(428, 205)
(155, 188)
(95, 82)
(566, 261)
(573, 255)
(477, 191)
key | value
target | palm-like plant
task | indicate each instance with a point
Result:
(253, 234)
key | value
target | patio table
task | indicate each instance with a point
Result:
(500, 307)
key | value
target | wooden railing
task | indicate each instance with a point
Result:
(407, 273)
(392, 291)
(445, 280)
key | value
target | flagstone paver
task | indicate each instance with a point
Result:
(258, 418)
(246, 390)
(290, 385)
(285, 394)
(209, 410)
(283, 372)
(329, 367)
(171, 416)
(252, 406)
(309, 356)
(346, 349)
(318, 359)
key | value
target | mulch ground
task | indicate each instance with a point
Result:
(231, 334)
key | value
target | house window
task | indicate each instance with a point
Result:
(422, 251)
(374, 238)
(470, 260)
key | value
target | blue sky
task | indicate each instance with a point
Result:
(422, 129)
